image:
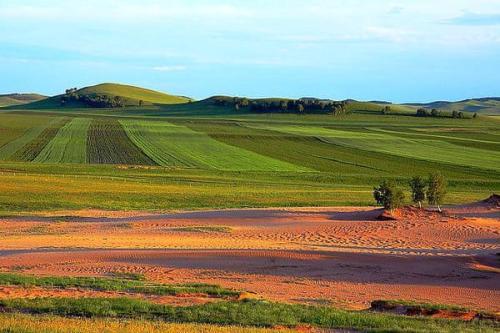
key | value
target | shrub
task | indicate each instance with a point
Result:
(436, 191)
(389, 195)
(417, 185)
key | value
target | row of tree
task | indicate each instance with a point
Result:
(422, 112)
(436, 113)
(391, 196)
(300, 106)
(93, 100)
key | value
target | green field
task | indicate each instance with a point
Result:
(198, 155)
(69, 145)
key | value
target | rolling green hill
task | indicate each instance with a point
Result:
(128, 95)
(487, 105)
(18, 99)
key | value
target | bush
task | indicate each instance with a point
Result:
(436, 191)
(417, 185)
(389, 195)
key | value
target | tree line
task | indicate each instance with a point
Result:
(391, 196)
(299, 106)
(92, 100)
(422, 112)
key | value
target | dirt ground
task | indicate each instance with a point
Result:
(340, 256)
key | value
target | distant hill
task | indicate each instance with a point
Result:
(487, 105)
(112, 95)
(125, 94)
(18, 99)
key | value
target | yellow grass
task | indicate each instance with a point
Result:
(50, 324)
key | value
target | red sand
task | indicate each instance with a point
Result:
(341, 256)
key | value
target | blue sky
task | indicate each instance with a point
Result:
(398, 50)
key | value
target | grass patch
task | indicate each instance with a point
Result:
(124, 282)
(249, 313)
(25, 323)
(128, 276)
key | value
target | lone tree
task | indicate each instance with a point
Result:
(417, 185)
(436, 190)
(389, 195)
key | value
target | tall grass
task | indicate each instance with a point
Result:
(249, 313)
(25, 323)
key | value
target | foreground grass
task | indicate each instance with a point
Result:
(24, 323)
(113, 284)
(249, 313)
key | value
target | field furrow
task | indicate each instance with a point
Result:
(37, 143)
(69, 145)
(175, 145)
(17, 131)
(417, 148)
(107, 143)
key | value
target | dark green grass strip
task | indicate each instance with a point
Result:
(113, 284)
(249, 313)
(31, 150)
(107, 143)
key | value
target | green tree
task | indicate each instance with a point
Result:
(422, 113)
(389, 195)
(434, 113)
(417, 185)
(436, 190)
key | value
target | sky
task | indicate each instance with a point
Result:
(393, 50)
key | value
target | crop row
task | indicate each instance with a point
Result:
(107, 143)
(34, 147)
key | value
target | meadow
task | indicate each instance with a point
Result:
(247, 313)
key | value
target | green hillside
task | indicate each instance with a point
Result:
(133, 93)
(18, 99)
(129, 96)
(487, 105)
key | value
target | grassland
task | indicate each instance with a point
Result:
(130, 95)
(24, 323)
(17, 99)
(247, 313)
(487, 105)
